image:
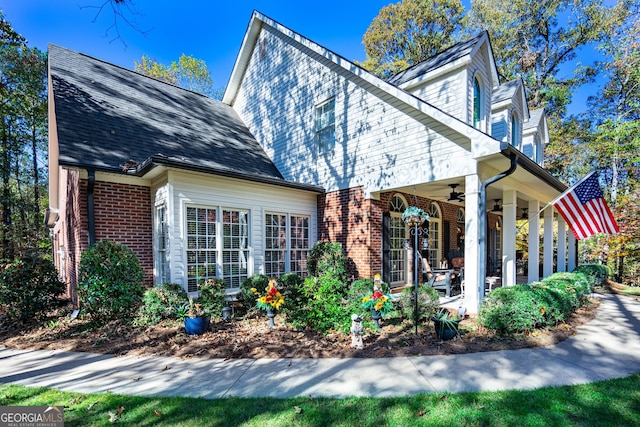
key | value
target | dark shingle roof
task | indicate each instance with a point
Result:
(506, 91)
(108, 116)
(456, 51)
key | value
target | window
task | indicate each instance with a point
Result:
(398, 234)
(201, 246)
(515, 130)
(538, 150)
(477, 103)
(434, 234)
(325, 126)
(235, 251)
(217, 246)
(162, 246)
(287, 244)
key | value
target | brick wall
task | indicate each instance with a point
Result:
(344, 216)
(123, 214)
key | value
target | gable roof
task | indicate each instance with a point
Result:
(113, 119)
(258, 21)
(448, 56)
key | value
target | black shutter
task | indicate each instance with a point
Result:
(386, 247)
(446, 240)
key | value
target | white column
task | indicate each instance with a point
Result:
(547, 269)
(534, 241)
(509, 206)
(472, 238)
(562, 244)
(572, 251)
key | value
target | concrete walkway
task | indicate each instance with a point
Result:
(607, 347)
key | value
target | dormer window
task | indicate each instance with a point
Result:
(515, 130)
(326, 126)
(478, 101)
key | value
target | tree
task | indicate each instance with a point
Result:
(188, 72)
(615, 144)
(23, 115)
(536, 39)
(406, 33)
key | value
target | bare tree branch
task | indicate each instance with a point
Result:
(122, 11)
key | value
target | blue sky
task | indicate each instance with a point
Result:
(211, 30)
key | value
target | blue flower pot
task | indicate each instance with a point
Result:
(196, 325)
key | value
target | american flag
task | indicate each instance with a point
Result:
(585, 210)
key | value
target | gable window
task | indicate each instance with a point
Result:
(537, 150)
(217, 245)
(326, 126)
(478, 99)
(515, 130)
(286, 245)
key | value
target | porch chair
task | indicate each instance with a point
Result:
(438, 279)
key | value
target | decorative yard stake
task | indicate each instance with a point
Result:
(414, 217)
(356, 332)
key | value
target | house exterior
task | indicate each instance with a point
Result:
(305, 146)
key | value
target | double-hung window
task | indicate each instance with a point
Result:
(326, 126)
(286, 244)
(217, 245)
(162, 245)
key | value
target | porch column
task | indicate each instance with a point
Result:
(509, 206)
(572, 253)
(473, 237)
(534, 241)
(547, 269)
(562, 244)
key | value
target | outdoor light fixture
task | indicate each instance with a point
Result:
(525, 213)
(414, 217)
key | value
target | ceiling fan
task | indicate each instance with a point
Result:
(496, 207)
(455, 196)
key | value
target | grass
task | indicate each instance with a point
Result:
(624, 289)
(614, 402)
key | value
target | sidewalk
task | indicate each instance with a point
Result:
(607, 347)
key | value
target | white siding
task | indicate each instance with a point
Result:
(478, 67)
(192, 189)
(446, 92)
(380, 141)
(499, 128)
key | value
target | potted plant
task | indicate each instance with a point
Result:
(196, 322)
(445, 324)
(379, 304)
(270, 302)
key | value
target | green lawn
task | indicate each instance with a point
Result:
(607, 403)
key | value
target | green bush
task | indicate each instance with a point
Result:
(359, 289)
(428, 302)
(597, 273)
(212, 297)
(524, 307)
(110, 283)
(29, 288)
(327, 259)
(161, 303)
(246, 297)
(511, 309)
(290, 286)
(325, 306)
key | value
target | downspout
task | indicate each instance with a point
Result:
(482, 223)
(91, 216)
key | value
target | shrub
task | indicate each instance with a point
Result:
(597, 273)
(325, 307)
(290, 285)
(359, 289)
(327, 259)
(161, 303)
(213, 293)
(511, 309)
(110, 284)
(428, 302)
(246, 297)
(29, 287)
